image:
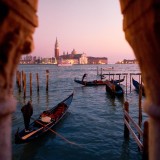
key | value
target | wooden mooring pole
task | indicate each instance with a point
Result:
(126, 131)
(24, 88)
(37, 77)
(126, 84)
(145, 155)
(130, 81)
(140, 108)
(47, 77)
(22, 79)
(101, 71)
(17, 77)
(30, 75)
(18, 80)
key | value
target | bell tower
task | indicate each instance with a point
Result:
(56, 49)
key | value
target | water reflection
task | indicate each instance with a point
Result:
(47, 100)
(38, 97)
(113, 100)
(30, 150)
(93, 117)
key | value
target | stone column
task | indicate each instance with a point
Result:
(17, 24)
(141, 24)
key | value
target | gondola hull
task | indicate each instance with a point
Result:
(137, 86)
(96, 82)
(114, 89)
(47, 120)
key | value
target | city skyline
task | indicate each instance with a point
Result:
(86, 26)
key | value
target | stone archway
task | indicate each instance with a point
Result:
(141, 25)
(17, 23)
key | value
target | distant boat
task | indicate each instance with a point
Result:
(64, 64)
(108, 68)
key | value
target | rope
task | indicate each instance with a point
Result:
(62, 137)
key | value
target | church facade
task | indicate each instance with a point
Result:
(77, 58)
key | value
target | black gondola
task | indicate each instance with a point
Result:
(137, 86)
(97, 82)
(114, 89)
(47, 120)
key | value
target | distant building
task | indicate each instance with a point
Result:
(78, 58)
(83, 59)
(56, 50)
(125, 61)
(46, 61)
(74, 58)
(97, 60)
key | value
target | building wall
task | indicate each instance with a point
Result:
(83, 59)
(97, 60)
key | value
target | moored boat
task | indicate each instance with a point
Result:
(117, 80)
(47, 120)
(97, 82)
(138, 86)
(114, 89)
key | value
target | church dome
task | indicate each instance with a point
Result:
(74, 52)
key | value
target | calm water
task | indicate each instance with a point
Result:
(94, 121)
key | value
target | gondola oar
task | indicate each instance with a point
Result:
(33, 132)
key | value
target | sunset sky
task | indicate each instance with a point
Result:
(90, 26)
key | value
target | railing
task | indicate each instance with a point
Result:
(110, 74)
(142, 144)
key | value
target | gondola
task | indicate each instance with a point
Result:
(118, 80)
(47, 120)
(97, 82)
(114, 89)
(137, 86)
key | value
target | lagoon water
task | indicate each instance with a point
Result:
(94, 121)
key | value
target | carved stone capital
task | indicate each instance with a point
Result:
(8, 106)
(152, 110)
(18, 20)
(141, 24)
(17, 24)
